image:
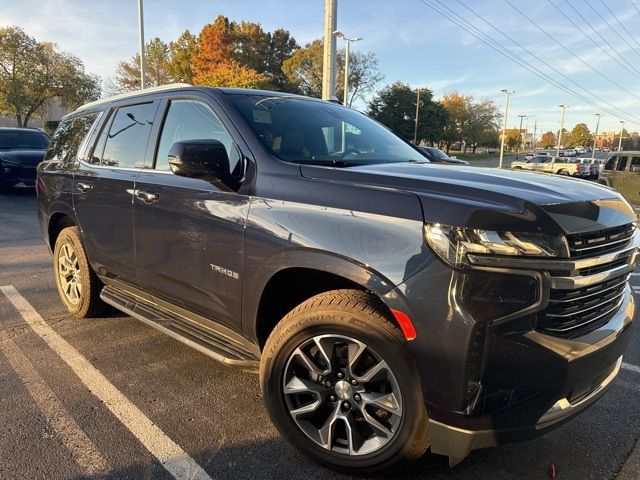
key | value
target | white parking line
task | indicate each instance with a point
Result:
(632, 368)
(169, 454)
(82, 449)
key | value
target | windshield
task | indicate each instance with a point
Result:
(438, 154)
(23, 140)
(299, 130)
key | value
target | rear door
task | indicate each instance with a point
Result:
(104, 186)
(619, 177)
(190, 232)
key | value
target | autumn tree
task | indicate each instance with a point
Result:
(472, 122)
(181, 52)
(158, 71)
(513, 137)
(548, 140)
(580, 135)
(33, 73)
(395, 107)
(304, 71)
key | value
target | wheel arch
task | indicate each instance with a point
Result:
(297, 276)
(57, 222)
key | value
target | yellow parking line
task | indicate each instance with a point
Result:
(172, 457)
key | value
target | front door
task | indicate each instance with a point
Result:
(190, 232)
(103, 190)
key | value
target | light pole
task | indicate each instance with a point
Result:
(347, 43)
(519, 136)
(415, 127)
(504, 125)
(595, 137)
(143, 63)
(329, 54)
(621, 132)
(563, 107)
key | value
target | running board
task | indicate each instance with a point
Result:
(218, 342)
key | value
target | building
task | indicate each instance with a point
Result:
(53, 112)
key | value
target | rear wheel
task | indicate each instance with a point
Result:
(78, 286)
(339, 383)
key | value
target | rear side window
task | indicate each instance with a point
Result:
(622, 164)
(635, 164)
(128, 134)
(69, 136)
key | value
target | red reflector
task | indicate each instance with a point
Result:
(405, 324)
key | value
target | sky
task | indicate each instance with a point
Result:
(414, 44)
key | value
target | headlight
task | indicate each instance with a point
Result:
(452, 244)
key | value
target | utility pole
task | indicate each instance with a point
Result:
(563, 107)
(143, 63)
(329, 57)
(519, 136)
(595, 137)
(504, 125)
(415, 129)
(535, 131)
(621, 132)
(347, 43)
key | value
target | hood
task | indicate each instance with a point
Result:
(494, 199)
(23, 158)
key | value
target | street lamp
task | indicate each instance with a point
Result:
(621, 132)
(347, 43)
(143, 63)
(595, 137)
(521, 117)
(415, 126)
(563, 107)
(504, 125)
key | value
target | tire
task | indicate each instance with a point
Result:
(350, 320)
(563, 172)
(77, 284)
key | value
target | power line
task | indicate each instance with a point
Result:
(632, 72)
(613, 82)
(621, 24)
(490, 42)
(615, 30)
(635, 6)
(576, 56)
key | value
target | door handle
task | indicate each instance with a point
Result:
(84, 187)
(147, 197)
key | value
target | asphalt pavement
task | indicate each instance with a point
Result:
(113, 398)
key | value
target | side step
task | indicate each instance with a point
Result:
(216, 341)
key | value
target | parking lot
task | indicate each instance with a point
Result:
(113, 398)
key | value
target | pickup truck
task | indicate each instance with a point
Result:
(559, 165)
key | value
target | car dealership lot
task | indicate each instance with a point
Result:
(113, 398)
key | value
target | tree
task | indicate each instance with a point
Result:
(214, 64)
(158, 69)
(580, 135)
(632, 142)
(472, 122)
(395, 107)
(33, 73)
(513, 137)
(181, 53)
(548, 140)
(304, 71)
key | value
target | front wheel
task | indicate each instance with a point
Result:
(339, 383)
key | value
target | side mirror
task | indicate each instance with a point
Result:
(206, 159)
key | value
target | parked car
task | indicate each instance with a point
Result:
(390, 305)
(548, 164)
(435, 155)
(622, 172)
(531, 155)
(21, 149)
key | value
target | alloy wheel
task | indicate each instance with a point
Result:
(342, 395)
(69, 274)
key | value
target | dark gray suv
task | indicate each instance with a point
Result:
(390, 304)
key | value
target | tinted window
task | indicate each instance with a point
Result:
(301, 130)
(69, 136)
(635, 164)
(622, 164)
(192, 120)
(127, 138)
(23, 140)
(610, 163)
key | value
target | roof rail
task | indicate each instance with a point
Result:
(133, 94)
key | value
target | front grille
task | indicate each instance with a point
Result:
(572, 313)
(599, 241)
